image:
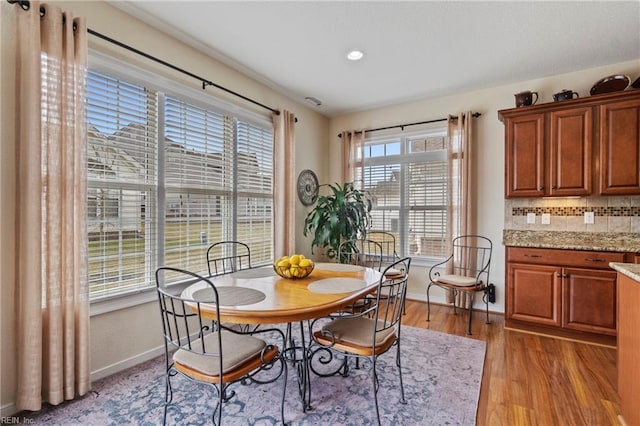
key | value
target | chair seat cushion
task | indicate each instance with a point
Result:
(393, 273)
(357, 331)
(459, 280)
(236, 350)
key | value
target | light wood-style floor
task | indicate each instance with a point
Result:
(530, 379)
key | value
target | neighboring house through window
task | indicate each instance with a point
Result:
(169, 174)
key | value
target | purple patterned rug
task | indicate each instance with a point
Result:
(442, 375)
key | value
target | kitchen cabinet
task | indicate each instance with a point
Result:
(620, 148)
(564, 148)
(566, 289)
(629, 348)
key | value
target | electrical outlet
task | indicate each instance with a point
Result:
(589, 218)
(531, 218)
(545, 219)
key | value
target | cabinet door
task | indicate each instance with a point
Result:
(620, 148)
(570, 152)
(524, 153)
(589, 300)
(534, 293)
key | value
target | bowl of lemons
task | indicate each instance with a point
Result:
(294, 266)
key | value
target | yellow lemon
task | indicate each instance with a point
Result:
(294, 271)
(284, 264)
(295, 259)
(304, 263)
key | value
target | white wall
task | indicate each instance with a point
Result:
(490, 147)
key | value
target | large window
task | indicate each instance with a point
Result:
(168, 176)
(407, 179)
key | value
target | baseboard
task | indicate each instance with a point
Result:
(562, 334)
(10, 411)
(126, 363)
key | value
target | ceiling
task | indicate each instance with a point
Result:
(413, 50)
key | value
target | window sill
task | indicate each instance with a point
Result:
(128, 300)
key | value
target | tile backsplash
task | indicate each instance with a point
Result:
(612, 214)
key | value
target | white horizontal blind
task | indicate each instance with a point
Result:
(407, 179)
(426, 193)
(211, 171)
(199, 181)
(255, 190)
(122, 177)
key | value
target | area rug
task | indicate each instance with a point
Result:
(442, 375)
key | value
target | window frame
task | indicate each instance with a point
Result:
(403, 159)
(174, 87)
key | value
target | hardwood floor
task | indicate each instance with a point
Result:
(530, 379)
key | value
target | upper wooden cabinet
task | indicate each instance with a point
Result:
(565, 148)
(620, 147)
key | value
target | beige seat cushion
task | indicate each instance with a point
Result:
(237, 349)
(393, 273)
(357, 331)
(459, 280)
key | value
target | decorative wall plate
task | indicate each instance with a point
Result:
(613, 83)
(307, 187)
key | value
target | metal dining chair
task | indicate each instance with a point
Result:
(366, 334)
(200, 347)
(225, 257)
(362, 252)
(388, 243)
(464, 273)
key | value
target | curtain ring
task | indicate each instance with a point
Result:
(24, 4)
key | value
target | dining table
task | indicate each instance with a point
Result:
(259, 296)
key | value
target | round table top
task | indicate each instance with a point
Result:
(272, 299)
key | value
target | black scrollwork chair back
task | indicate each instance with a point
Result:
(199, 347)
(225, 257)
(362, 252)
(368, 333)
(464, 273)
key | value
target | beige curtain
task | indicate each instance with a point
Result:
(462, 194)
(51, 250)
(284, 183)
(352, 158)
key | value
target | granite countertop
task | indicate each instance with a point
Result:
(627, 242)
(631, 270)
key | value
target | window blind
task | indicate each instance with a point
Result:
(122, 177)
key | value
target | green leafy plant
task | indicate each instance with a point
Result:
(341, 215)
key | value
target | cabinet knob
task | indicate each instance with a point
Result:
(540, 188)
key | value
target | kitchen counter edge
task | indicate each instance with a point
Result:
(626, 242)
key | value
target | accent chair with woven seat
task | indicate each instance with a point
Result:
(365, 334)
(204, 350)
(464, 273)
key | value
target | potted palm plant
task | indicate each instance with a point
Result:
(341, 215)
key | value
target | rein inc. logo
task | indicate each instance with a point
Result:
(16, 420)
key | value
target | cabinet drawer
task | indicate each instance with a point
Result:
(577, 258)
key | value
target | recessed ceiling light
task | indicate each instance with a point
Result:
(355, 55)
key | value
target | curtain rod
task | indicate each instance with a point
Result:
(402, 126)
(25, 5)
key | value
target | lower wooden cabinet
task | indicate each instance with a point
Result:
(565, 289)
(534, 293)
(589, 300)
